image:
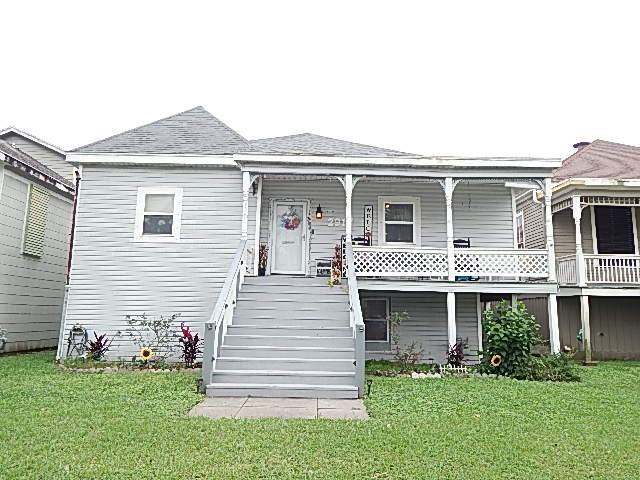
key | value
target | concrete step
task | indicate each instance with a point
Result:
(281, 390)
(308, 377)
(294, 287)
(309, 330)
(299, 364)
(283, 307)
(269, 351)
(339, 320)
(288, 280)
(287, 341)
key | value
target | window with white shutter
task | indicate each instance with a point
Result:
(35, 224)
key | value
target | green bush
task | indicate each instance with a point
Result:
(558, 367)
(509, 334)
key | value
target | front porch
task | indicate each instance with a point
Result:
(402, 228)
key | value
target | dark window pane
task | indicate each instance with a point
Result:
(374, 308)
(157, 225)
(398, 212)
(399, 233)
(375, 330)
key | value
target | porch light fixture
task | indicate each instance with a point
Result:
(319, 212)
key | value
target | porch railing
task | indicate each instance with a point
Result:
(468, 262)
(355, 317)
(222, 316)
(621, 269)
(567, 270)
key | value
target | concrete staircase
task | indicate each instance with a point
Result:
(290, 337)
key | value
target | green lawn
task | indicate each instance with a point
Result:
(55, 424)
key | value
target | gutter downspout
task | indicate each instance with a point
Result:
(73, 224)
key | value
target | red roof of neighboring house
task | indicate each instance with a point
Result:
(601, 159)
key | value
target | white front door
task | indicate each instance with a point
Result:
(288, 237)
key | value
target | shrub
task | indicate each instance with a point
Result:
(558, 367)
(96, 349)
(156, 332)
(406, 355)
(509, 334)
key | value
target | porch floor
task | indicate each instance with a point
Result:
(254, 407)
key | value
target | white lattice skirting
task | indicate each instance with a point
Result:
(376, 261)
(499, 263)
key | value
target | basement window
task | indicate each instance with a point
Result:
(158, 214)
(375, 312)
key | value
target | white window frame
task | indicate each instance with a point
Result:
(520, 219)
(140, 213)
(388, 312)
(415, 201)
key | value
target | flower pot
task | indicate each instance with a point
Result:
(262, 271)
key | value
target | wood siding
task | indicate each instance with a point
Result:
(427, 324)
(564, 232)
(112, 275)
(54, 160)
(533, 215)
(481, 212)
(31, 288)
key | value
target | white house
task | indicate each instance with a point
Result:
(36, 204)
(171, 217)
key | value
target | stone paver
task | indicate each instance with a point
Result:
(253, 407)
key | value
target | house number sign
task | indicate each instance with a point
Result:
(336, 222)
(368, 219)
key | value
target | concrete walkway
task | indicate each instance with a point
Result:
(253, 407)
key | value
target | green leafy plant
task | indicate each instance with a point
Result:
(158, 332)
(558, 367)
(97, 348)
(407, 355)
(510, 332)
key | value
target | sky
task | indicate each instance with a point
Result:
(429, 77)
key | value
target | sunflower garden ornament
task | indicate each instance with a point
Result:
(496, 361)
(146, 353)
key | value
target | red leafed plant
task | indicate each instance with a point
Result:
(190, 346)
(97, 348)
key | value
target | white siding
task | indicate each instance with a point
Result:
(427, 324)
(112, 275)
(54, 160)
(534, 227)
(31, 289)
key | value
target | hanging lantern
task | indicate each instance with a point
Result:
(319, 212)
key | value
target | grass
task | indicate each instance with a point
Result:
(57, 425)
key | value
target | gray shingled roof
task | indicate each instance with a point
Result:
(194, 132)
(197, 132)
(311, 144)
(31, 162)
(601, 159)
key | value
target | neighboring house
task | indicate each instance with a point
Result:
(171, 217)
(36, 206)
(596, 200)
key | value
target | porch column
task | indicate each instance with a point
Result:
(246, 184)
(548, 220)
(554, 331)
(586, 327)
(256, 242)
(348, 190)
(577, 218)
(448, 196)
(451, 318)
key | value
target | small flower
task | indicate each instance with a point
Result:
(146, 353)
(496, 360)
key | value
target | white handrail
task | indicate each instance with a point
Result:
(355, 318)
(222, 314)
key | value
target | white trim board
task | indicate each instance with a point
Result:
(600, 291)
(144, 159)
(458, 287)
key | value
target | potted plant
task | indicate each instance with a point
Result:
(263, 256)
